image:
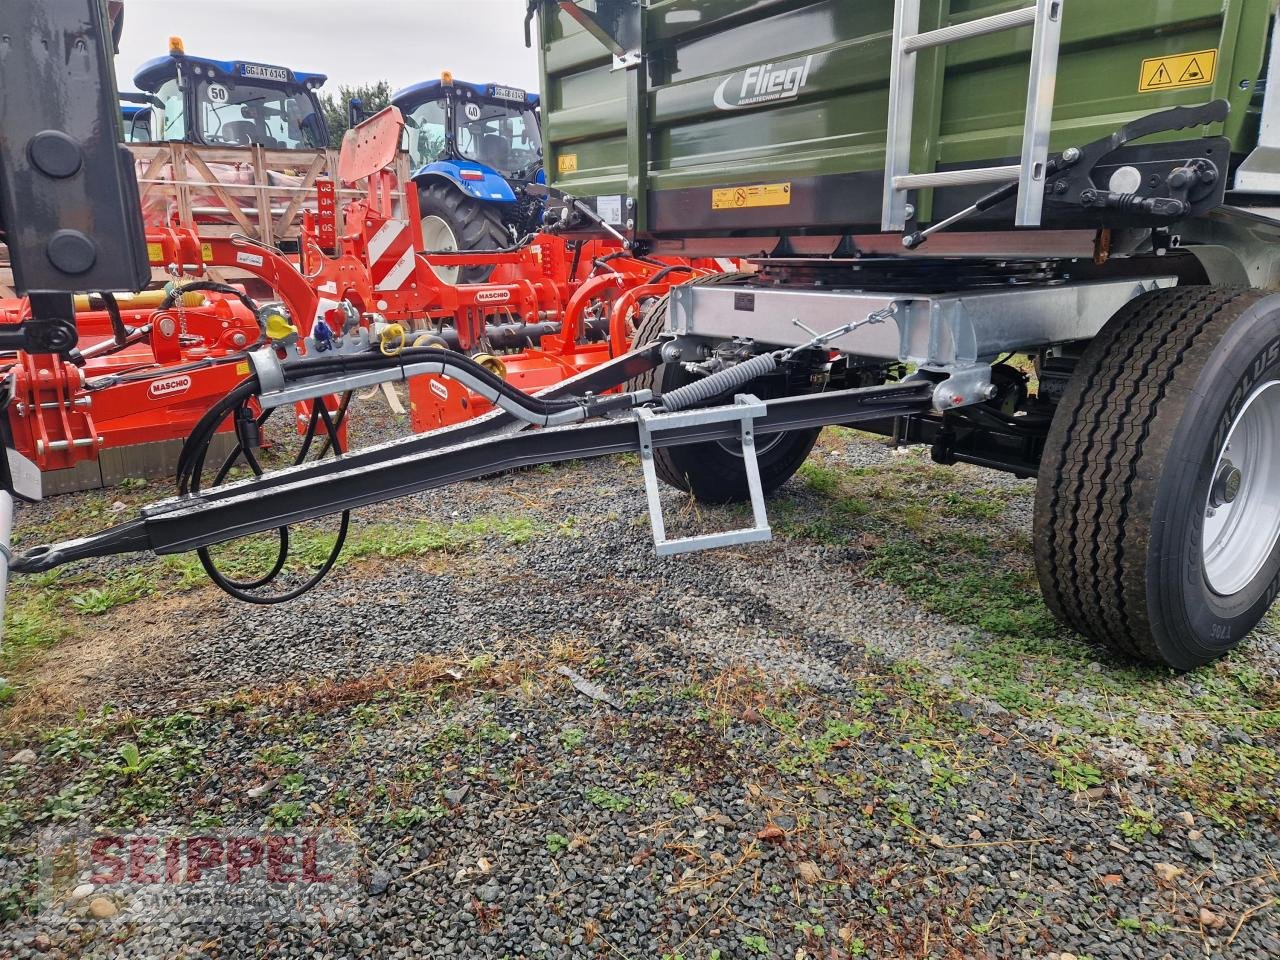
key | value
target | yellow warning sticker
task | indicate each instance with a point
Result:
(1175, 72)
(206, 251)
(568, 163)
(155, 252)
(744, 198)
(242, 369)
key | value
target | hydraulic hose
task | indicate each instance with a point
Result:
(118, 329)
(247, 428)
(175, 293)
(206, 286)
(472, 373)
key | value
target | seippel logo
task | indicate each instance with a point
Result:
(493, 296)
(169, 387)
(764, 83)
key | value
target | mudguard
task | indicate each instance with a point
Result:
(492, 189)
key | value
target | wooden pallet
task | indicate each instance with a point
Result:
(182, 182)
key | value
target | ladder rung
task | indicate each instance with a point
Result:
(972, 28)
(957, 178)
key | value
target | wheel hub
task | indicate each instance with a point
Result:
(1226, 486)
(1242, 514)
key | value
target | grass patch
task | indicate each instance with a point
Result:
(116, 591)
(1236, 780)
(961, 577)
(608, 800)
(32, 622)
(936, 535)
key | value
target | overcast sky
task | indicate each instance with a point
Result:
(353, 41)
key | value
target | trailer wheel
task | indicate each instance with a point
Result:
(1157, 521)
(453, 221)
(714, 472)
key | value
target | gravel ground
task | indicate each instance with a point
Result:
(534, 738)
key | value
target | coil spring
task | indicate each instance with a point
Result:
(718, 384)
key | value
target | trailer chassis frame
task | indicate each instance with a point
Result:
(952, 336)
(469, 451)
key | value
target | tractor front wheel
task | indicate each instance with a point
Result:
(453, 221)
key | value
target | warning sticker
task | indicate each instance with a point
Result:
(206, 251)
(568, 163)
(1182, 70)
(155, 252)
(744, 198)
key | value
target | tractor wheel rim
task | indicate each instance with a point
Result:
(1242, 513)
(438, 235)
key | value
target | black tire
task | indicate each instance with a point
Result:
(475, 225)
(1124, 486)
(712, 472)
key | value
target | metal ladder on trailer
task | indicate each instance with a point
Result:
(1045, 16)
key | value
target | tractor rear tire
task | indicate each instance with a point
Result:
(1157, 521)
(470, 224)
(714, 472)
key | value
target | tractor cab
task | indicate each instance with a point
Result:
(487, 127)
(226, 103)
(134, 132)
(475, 148)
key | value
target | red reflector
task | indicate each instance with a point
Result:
(472, 175)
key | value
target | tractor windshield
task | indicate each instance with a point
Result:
(504, 137)
(427, 132)
(280, 117)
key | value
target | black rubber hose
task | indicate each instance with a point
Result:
(246, 448)
(301, 369)
(211, 286)
(240, 589)
(191, 457)
(339, 418)
(207, 286)
(118, 329)
(667, 271)
(577, 259)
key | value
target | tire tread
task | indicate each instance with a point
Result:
(1091, 549)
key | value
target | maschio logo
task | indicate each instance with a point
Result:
(765, 83)
(169, 387)
(493, 296)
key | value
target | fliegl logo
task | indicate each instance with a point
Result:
(169, 387)
(764, 83)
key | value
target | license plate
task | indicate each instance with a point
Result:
(257, 71)
(509, 93)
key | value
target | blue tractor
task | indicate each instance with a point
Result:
(475, 148)
(225, 103)
(139, 133)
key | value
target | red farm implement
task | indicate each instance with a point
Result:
(148, 367)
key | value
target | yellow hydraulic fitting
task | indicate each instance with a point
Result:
(278, 326)
(392, 340)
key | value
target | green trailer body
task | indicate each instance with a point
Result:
(768, 115)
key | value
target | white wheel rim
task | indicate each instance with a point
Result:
(1242, 515)
(438, 235)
